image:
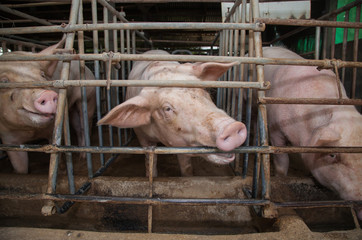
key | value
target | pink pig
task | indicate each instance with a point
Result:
(178, 117)
(28, 114)
(314, 125)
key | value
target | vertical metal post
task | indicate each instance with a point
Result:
(325, 42)
(344, 46)
(128, 42)
(262, 107)
(3, 46)
(355, 53)
(250, 73)
(333, 45)
(48, 209)
(123, 72)
(221, 53)
(84, 112)
(116, 76)
(107, 68)
(317, 42)
(150, 193)
(68, 155)
(97, 76)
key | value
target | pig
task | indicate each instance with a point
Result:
(177, 117)
(28, 114)
(314, 125)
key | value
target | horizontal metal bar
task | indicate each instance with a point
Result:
(136, 83)
(180, 201)
(133, 200)
(66, 28)
(178, 150)
(117, 57)
(318, 204)
(309, 23)
(23, 43)
(319, 101)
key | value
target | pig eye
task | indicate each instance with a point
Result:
(168, 111)
(332, 158)
(42, 74)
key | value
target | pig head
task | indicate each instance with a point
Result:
(28, 114)
(178, 117)
(315, 125)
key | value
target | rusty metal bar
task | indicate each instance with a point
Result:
(355, 53)
(84, 102)
(136, 83)
(26, 5)
(117, 57)
(317, 42)
(48, 208)
(309, 23)
(171, 201)
(232, 11)
(24, 15)
(18, 42)
(263, 125)
(344, 46)
(174, 150)
(121, 17)
(65, 28)
(68, 156)
(97, 76)
(151, 160)
(321, 101)
(332, 14)
(342, 9)
(134, 200)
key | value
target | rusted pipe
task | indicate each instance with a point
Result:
(174, 150)
(309, 23)
(117, 57)
(24, 15)
(181, 201)
(65, 28)
(136, 83)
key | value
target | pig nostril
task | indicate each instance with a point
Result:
(42, 102)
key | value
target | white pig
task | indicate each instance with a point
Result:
(177, 117)
(314, 125)
(28, 114)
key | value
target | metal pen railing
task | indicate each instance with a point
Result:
(231, 34)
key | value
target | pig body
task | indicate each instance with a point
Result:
(177, 117)
(28, 114)
(314, 125)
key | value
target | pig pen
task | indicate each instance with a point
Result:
(108, 196)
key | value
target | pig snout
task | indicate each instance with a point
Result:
(47, 102)
(231, 137)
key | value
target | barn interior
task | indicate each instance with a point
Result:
(107, 195)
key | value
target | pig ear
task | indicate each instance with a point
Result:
(50, 66)
(211, 71)
(132, 113)
(325, 136)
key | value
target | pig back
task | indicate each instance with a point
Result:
(141, 71)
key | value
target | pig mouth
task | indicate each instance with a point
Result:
(45, 116)
(220, 158)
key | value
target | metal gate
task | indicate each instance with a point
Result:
(111, 60)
